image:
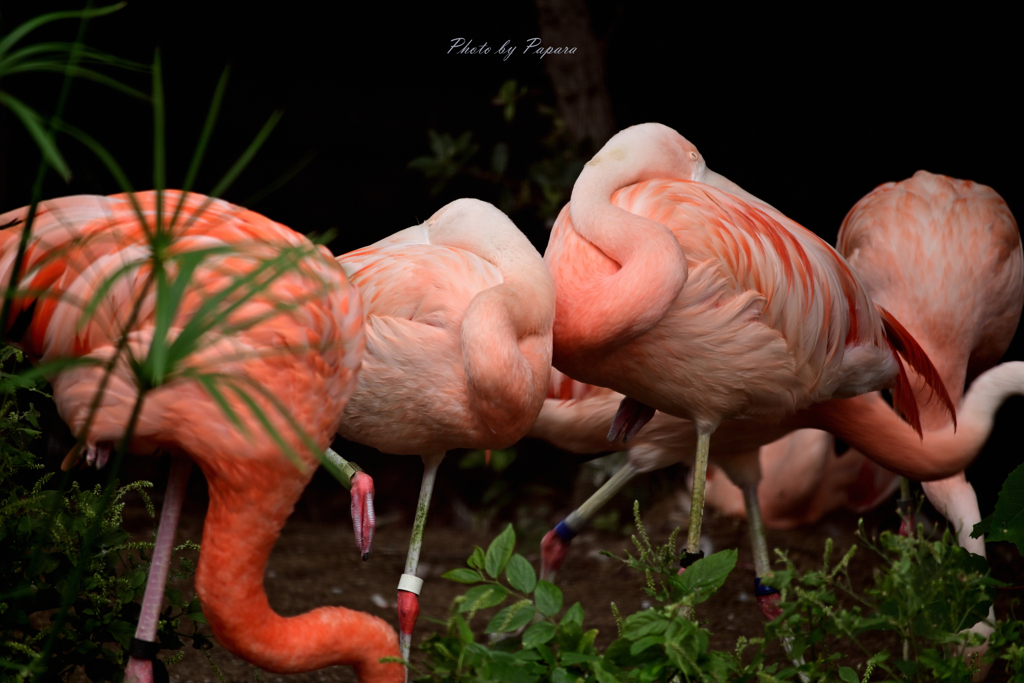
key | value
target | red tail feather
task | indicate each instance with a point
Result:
(905, 345)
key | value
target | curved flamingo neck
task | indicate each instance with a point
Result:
(506, 330)
(242, 525)
(869, 425)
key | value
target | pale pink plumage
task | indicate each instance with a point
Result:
(458, 344)
(687, 294)
(301, 339)
(699, 302)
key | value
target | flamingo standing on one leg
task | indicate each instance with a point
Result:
(300, 339)
(458, 348)
(690, 296)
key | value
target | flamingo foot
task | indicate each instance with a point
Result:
(630, 418)
(364, 522)
(138, 671)
(769, 605)
(96, 455)
(553, 550)
(408, 613)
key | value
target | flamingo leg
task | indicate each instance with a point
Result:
(144, 646)
(555, 544)
(767, 598)
(700, 474)
(409, 585)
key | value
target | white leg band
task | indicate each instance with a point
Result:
(410, 583)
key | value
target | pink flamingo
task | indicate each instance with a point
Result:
(300, 339)
(690, 296)
(458, 348)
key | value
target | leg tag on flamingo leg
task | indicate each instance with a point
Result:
(761, 589)
(410, 583)
(143, 649)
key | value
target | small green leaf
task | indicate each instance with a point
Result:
(549, 598)
(520, 574)
(463, 575)
(560, 675)
(465, 632)
(174, 596)
(848, 674)
(1007, 523)
(706, 576)
(511, 618)
(644, 643)
(577, 658)
(476, 560)
(499, 552)
(574, 615)
(538, 634)
(482, 597)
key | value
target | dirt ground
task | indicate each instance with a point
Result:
(315, 561)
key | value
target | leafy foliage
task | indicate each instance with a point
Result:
(1006, 523)
(502, 167)
(926, 593)
(42, 530)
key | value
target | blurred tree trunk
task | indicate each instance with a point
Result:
(578, 78)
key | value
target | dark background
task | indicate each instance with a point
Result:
(807, 112)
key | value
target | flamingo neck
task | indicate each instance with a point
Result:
(507, 359)
(242, 525)
(868, 424)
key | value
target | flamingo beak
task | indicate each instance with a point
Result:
(363, 520)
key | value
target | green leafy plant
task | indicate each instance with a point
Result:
(925, 593)
(517, 173)
(1006, 523)
(534, 640)
(42, 551)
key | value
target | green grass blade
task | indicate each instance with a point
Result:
(169, 298)
(33, 123)
(8, 41)
(81, 72)
(30, 376)
(281, 181)
(104, 156)
(159, 160)
(209, 383)
(210, 314)
(247, 156)
(204, 138)
(258, 413)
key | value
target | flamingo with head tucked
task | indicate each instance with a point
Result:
(690, 296)
(298, 339)
(458, 348)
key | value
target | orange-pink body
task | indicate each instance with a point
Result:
(301, 339)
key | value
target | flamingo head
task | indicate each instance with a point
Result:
(363, 519)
